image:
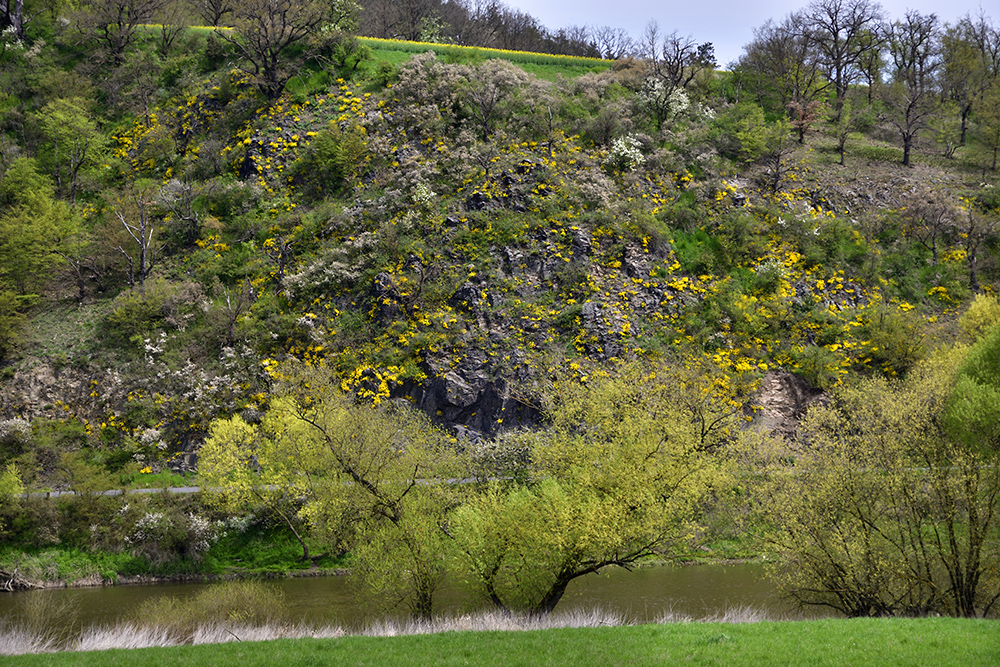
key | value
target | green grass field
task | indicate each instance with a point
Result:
(936, 642)
(543, 65)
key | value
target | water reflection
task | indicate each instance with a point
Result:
(644, 594)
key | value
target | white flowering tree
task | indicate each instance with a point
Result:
(625, 154)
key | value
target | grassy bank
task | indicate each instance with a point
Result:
(260, 551)
(932, 641)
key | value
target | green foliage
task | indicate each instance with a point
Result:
(334, 160)
(83, 476)
(22, 180)
(817, 365)
(896, 338)
(973, 413)
(617, 477)
(739, 128)
(341, 50)
(260, 544)
(697, 252)
(157, 304)
(75, 143)
(385, 73)
(10, 486)
(358, 469)
(11, 321)
(71, 564)
(217, 52)
(885, 513)
(981, 317)
(34, 230)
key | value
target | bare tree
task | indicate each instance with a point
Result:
(518, 31)
(398, 19)
(12, 17)
(472, 21)
(784, 64)
(181, 200)
(492, 88)
(264, 30)
(672, 63)
(278, 249)
(113, 22)
(842, 30)
(871, 60)
(910, 99)
(971, 60)
(673, 59)
(134, 212)
(75, 138)
(928, 220)
(15, 17)
(988, 116)
(238, 303)
(846, 122)
(978, 229)
(173, 21)
(613, 43)
(212, 11)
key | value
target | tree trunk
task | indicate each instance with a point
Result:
(973, 271)
(554, 595)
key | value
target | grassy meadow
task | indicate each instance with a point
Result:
(937, 642)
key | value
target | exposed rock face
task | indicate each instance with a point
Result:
(37, 387)
(783, 400)
(470, 400)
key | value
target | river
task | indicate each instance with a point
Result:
(645, 594)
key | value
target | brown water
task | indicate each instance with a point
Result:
(642, 595)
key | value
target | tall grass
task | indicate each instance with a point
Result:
(218, 625)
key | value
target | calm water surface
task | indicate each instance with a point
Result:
(641, 595)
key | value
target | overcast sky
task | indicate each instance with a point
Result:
(728, 24)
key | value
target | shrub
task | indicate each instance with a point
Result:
(11, 321)
(625, 154)
(983, 314)
(334, 159)
(138, 312)
(168, 535)
(816, 365)
(897, 340)
(15, 436)
(230, 603)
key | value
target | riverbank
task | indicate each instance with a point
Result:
(13, 581)
(262, 554)
(267, 551)
(942, 642)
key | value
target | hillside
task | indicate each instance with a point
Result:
(448, 232)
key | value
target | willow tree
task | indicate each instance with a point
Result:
(616, 477)
(891, 505)
(361, 477)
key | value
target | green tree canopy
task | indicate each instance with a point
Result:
(370, 478)
(616, 477)
(882, 511)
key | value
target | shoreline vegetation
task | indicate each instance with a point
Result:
(581, 639)
(13, 581)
